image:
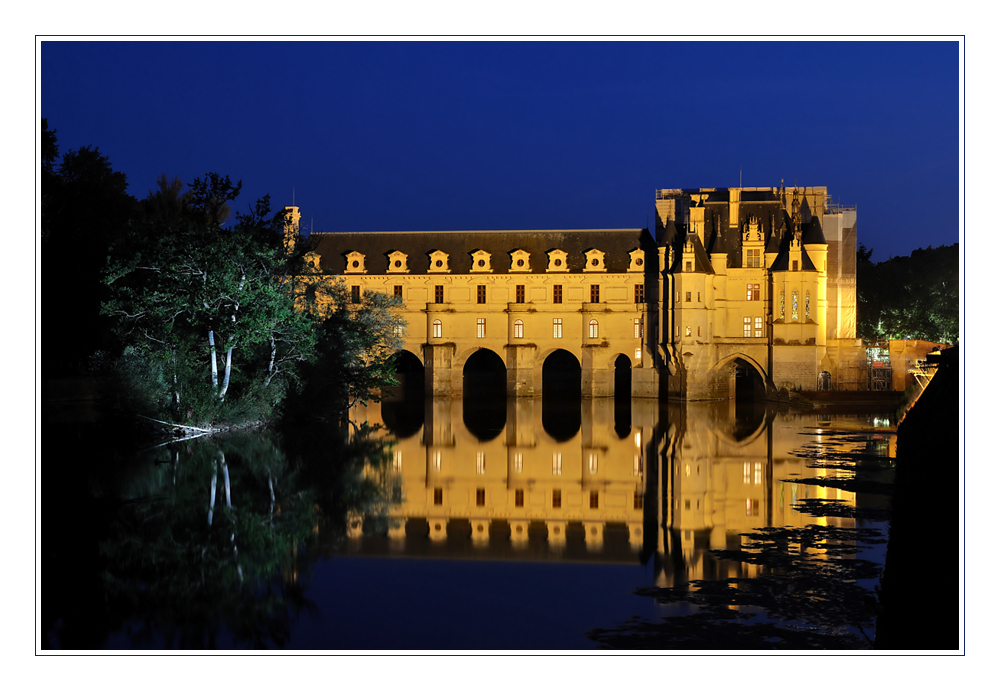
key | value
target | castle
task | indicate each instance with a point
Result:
(747, 289)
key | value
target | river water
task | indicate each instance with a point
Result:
(475, 524)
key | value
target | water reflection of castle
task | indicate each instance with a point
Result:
(668, 483)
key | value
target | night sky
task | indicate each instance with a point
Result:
(430, 135)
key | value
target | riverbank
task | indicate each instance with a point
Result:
(919, 595)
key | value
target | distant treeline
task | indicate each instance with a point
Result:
(915, 297)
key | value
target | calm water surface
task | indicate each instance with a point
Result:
(486, 524)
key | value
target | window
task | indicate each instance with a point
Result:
(397, 292)
(747, 327)
(480, 496)
(699, 331)
(753, 259)
(480, 463)
(795, 265)
(519, 497)
(640, 293)
(688, 266)
(795, 305)
(438, 496)
(807, 305)
(557, 328)
(758, 327)
(592, 463)
(518, 328)
(593, 499)
(518, 462)
(753, 291)
(519, 294)
(557, 464)
(557, 295)
(595, 293)
(687, 330)
(557, 499)
(481, 295)
(637, 501)
(439, 294)
(436, 329)
(781, 306)
(687, 296)
(398, 331)
(637, 328)
(436, 461)
(481, 328)
(594, 329)
(356, 295)
(699, 296)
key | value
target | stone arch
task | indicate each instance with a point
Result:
(718, 370)
(484, 393)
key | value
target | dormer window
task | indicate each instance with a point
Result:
(637, 260)
(439, 262)
(557, 261)
(397, 263)
(355, 263)
(481, 262)
(519, 261)
(595, 260)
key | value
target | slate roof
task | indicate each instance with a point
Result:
(459, 245)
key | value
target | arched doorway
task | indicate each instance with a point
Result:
(484, 391)
(748, 383)
(623, 396)
(403, 404)
(825, 382)
(561, 386)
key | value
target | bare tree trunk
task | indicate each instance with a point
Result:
(270, 365)
(229, 368)
(215, 367)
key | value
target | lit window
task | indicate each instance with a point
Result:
(398, 330)
(595, 293)
(758, 473)
(438, 496)
(638, 353)
(687, 330)
(753, 291)
(753, 507)
(746, 473)
(436, 460)
(481, 328)
(519, 294)
(557, 499)
(436, 329)
(439, 294)
(758, 327)
(593, 499)
(594, 329)
(557, 464)
(557, 328)
(480, 496)
(593, 463)
(519, 497)
(638, 439)
(807, 305)
(637, 328)
(518, 328)
(481, 294)
(795, 305)
(687, 296)
(480, 463)
(518, 462)
(753, 259)
(557, 295)
(640, 293)
(747, 327)
(781, 306)
(356, 294)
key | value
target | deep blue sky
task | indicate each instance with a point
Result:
(517, 135)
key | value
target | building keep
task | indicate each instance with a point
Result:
(739, 284)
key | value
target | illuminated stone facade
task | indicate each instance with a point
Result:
(740, 284)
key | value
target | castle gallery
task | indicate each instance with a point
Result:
(748, 289)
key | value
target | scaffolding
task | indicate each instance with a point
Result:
(879, 367)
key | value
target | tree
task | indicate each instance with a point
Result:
(210, 304)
